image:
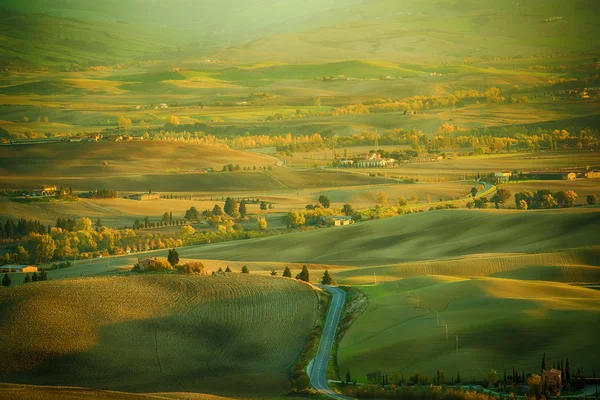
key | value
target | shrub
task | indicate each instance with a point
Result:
(193, 268)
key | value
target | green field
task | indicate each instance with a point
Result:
(500, 323)
(422, 236)
(158, 333)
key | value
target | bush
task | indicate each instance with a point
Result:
(192, 268)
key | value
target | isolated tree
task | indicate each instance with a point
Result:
(27, 279)
(228, 269)
(317, 102)
(347, 209)
(402, 201)
(326, 280)
(165, 218)
(474, 191)
(457, 377)
(492, 377)
(173, 120)
(173, 257)
(124, 123)
(242, 210)
(43, 275)
(217, 211)
(263, 206)
(592, 199)
(6, 281)
(501, 196)
(415, 199)
(192, 214)
(245, 270)
(287, 273)
(348, 377)
(262, 223)
(273, 272)
(99, 223)
(324, 201)
(303, 275)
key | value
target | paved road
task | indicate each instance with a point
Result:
(318, 373)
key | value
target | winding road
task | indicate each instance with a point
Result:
(318, 372)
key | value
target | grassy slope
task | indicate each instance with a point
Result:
(234, 335)
(499, 322)
(423, 236)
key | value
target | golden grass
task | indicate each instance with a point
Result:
(226, 335)
(34, 392)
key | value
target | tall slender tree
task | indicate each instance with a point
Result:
(544, 362)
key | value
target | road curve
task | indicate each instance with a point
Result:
(318, 373)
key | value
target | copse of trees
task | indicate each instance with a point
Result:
(501, 197)
(544, 199)
(22, 228)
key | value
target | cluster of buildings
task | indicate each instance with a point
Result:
(24, 269)
(571, 175)
(368, 160)
(44, 190)
(144, 196)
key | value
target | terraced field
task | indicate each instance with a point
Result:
(158, 333)
(499, 323)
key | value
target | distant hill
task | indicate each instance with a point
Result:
(61, 33)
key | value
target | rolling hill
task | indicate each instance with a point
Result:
(226, 335)
(422, 236)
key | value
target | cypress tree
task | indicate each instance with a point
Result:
(568, 371)
(303, 275)
(544, 362)
(348, 376)
(245, 270)
(27, 279)
(327, 280)
(34, 277)
(6, 281)
(562, 369)
(43, 275)
(504, 376)
(287, 273)
(457, 377)
(228, 269)
(242, 209)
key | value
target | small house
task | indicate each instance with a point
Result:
(502, 176)
(44, 190)
(551, 380)
(18, 268)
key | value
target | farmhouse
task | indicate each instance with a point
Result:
(146, 263)
(502, 176)
(144, 196)
(551, 380)
(44, 190)
(593, 174)
(18, 268)
(375, 160)
(551, 175)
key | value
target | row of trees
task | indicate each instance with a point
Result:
(22, 228)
